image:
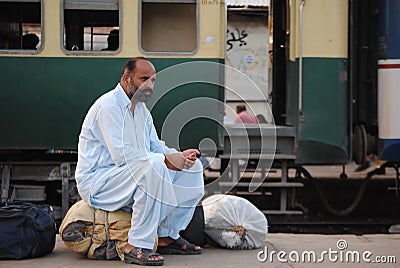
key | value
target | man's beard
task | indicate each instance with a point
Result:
(140, 94)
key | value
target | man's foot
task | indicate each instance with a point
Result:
(167, 246)
(142, 256)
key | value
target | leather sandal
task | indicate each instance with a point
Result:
(176, 248)
(132, 257)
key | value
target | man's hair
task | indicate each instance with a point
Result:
(131, 64)
(30, 41)
(240, 108)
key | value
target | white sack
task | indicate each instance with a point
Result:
(233, 222)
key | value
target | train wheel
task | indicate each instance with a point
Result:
(360, 146)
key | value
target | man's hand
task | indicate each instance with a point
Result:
(191, 154)
(175, 161)
(183, 160)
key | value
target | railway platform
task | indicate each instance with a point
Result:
(279, 250)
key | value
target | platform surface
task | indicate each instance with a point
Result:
(374, 247)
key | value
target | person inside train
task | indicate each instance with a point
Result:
(112, 40)
(30, 41)
(244, 117)
(122, 164)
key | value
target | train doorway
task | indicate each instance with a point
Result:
(257, 45)
(247, 58)
(279, 35)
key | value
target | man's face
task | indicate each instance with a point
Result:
(141, 81)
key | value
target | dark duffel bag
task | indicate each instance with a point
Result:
(26, 230)
(194, 232)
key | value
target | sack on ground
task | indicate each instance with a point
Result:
(96, 233)
(100, 234)
(234, 223)
(26, 230)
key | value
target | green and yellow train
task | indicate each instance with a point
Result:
(46, 91)
(323, 79)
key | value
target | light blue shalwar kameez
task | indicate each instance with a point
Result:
(121, 165)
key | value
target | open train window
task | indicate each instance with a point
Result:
(21, 25)
(168, 26)
(91, 26)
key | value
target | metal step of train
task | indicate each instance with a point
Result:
(235, 183)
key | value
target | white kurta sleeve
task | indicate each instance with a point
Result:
(157, 145)
(110, 124)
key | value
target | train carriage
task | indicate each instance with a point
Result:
(388, 83)
(327, 90)
(47, 87)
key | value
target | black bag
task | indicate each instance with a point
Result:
(26, 230)
(194, 232)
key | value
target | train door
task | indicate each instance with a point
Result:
(310, 81)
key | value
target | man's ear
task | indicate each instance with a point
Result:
(125, 78)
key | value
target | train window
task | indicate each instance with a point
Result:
(168, 26)
(91, 26)
(21, 25)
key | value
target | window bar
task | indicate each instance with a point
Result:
(91, 38)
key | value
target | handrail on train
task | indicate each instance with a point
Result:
(301, 58)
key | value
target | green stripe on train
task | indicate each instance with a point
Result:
(44, 100)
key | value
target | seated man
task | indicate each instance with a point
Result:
(112, 40)
(30, 41)
(123, 164)
(242, 116)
